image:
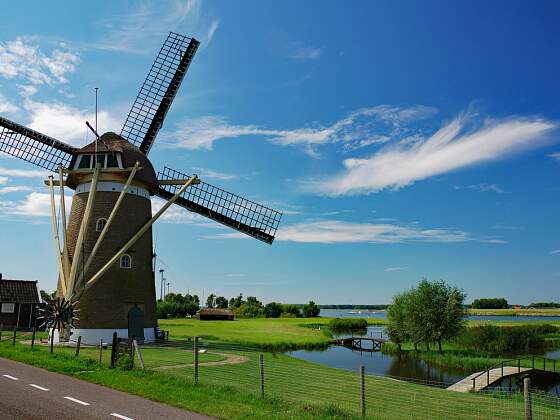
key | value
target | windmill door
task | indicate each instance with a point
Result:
(136, 323)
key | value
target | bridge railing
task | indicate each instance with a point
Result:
(517, 361)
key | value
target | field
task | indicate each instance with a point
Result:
(293, 388)
(516, 312)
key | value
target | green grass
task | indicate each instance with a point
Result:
(294, 388)
(516, 312)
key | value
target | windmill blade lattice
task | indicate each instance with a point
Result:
(158, 91)
(224, 207)
(39, 149)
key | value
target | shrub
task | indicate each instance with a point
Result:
(347, 324)
(273, 310)
(292, 309)
(490, 303)
(503, 339)
(311, 310)
(287, 315)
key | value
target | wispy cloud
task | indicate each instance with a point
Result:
(452, 147)
(556, 251)
(555, 155)
(391, 269)
(211, 174)
(307, 53)
(35, 204)
(23, 173)
(14, 189)
(25, 61)
(483, 188)
(358, 129)
(6, 106)
(335, 231)
(506, 227)
(136, 30)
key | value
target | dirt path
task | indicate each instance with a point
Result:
(230, 359)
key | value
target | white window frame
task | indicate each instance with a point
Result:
(5, 305)
(101, 219)
(93, 160)
(129, 261)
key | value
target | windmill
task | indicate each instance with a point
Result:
(105, 256)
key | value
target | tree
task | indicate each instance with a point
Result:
(490, 303)
(236, 302)
(252, 308)
(292, 309)
(273, 310)
(221, 302)
(430, 312)
(396, 316)
(310, 310)
(211, 300)
(47, 297)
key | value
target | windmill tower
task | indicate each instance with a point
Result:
(105, 254)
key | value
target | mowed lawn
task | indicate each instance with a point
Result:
(275, 332)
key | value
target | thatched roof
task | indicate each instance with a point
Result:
(18, 291)
(214, 311)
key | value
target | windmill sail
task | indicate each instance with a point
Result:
(224, 207)
(33, 147)
(158, 91)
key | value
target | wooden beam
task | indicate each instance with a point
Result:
(65, 259)
(83, 227)
(138, 235)
(56, 237)
(107, 225)
(171, 181)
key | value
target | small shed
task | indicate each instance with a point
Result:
(18, 303)
(214, 314)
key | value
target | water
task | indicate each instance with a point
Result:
(345, 313)
(401, 366)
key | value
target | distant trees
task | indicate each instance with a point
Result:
(177, 305)
(490, 303)
(236, 302)
(221, 302)
(273, 310)
(429, 313)
(544, 305)
(310, 310)
(211, 300)
(47, 297)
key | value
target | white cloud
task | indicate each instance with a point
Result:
(450, 148)
(356, 130)
(33, 205)
(7, 107)
(555, 155)
(483, 188)
(335, 231)
(307, 53)
(3, 180)
(24, 61)
(391, 269)
(14, 189)
(211, 174)
(23, 173)
(556, 251)
(65, 122)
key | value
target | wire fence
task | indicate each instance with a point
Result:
(344, 393)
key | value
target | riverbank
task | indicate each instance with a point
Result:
(535, 312)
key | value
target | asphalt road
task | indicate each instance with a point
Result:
(28, 392)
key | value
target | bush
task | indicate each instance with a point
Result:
(292, 309)
(311, 310)
(347, 324)
(503, 339)
(273, 310)
(287, 315)
(490, 303)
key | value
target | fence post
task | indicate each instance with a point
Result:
(14, 337)
(1, 328)
(488, 378)
(473, 384)
(261, 365)
(114, 349)
(502, 370)
(195, 360)
(533, 362)
(527, 398)
(137, 348)
(363, 390)
(33, 338)
(52, 339)
(78, 344)
(100, 350)
(518, 365)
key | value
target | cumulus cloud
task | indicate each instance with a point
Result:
(65, 122)
(452, 147)
(6, 106)
(23, 173)
(25, 61)
(358, 129)
(33, 205)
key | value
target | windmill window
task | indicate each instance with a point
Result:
(126, 261)
(112, 161)
(85, 162)
(101, 160)
(8, 308)
(100, 224)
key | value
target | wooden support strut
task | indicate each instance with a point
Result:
(65, 260)
(83, 227)
(56, 237)
(107, 225)
(138, 235)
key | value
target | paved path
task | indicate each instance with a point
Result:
(481, 382)
(28, 392)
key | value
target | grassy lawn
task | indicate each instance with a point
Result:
(294, 388)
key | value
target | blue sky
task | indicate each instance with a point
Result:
(401, 139)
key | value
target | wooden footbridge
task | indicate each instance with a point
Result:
(358, 343)
(507, 370)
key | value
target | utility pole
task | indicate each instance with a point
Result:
(161, 287)
(167, 289)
